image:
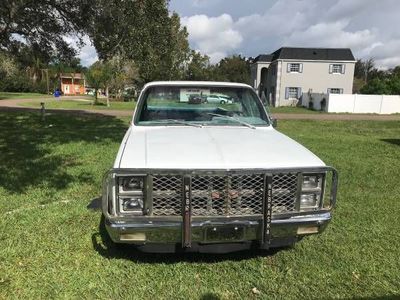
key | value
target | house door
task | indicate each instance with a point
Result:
(66, 89)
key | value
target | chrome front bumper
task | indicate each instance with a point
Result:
(215, 235)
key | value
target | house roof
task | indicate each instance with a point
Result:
(72, 75)
(263, 58)
(314, 54)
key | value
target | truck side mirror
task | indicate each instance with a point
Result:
(274, 123)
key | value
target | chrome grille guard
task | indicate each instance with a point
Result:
(175, 194)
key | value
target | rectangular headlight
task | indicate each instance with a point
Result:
(311, 192)
(131, 183)
(311, 181)
(309, 200)
(131, 194)
(132, 205)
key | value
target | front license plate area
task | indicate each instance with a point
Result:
(223, 234)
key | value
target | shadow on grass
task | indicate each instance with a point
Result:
(95, 204)
(392, 141)
(27, 147)
(210, 296)
(103, 244)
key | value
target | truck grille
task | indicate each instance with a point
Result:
(167, 195)
(284, 193)
(223, 195)
(227, 195)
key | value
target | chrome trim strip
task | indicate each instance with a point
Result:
(132, 171)
(324, 217)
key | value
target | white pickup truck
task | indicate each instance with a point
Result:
(212, 177)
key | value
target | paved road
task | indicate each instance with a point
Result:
(13, 105)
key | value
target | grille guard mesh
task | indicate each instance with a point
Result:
(222, 193)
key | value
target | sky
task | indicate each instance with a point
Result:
(224, 27)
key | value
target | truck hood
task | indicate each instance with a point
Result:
(182, 147)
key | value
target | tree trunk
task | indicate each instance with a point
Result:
(95, 96)
(108, 98)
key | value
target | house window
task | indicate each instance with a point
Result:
(335, 91)
(293, 93)
(336, 69)
(295, 68)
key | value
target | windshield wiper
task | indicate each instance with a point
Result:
(179, 122)
(233, 119)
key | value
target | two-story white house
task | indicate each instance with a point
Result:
(288, 73)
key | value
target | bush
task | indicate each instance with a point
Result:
(22, 83)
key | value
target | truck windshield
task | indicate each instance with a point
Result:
(201, 106)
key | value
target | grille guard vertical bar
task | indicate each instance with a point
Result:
(187, 212)
(333, 194)
(267, 209)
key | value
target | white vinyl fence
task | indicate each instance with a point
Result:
(357, 104)
(362, 104)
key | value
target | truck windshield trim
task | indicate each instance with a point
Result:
(200, 106)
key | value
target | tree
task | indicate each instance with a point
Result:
(98, 76)
(180, 51)
(112, 75)
(42, 22)
(31, 33)
(376, 86)
(370, 80)
(358, 84)
(124, 72)
(394, 81)
(8, 67)
(234, 68)
(363, 69)
(142, 31)
(199, 67)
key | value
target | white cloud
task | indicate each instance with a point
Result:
(213, 36)
(331, 35)
(347, 9)
(386, 55)
(281, 19)
(87, 53)
(366, 26)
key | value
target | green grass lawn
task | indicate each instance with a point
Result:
(86, 105)
(53, 246)
(7, 95)
(73, 104)
(294, 110)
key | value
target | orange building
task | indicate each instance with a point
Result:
(72, 83)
